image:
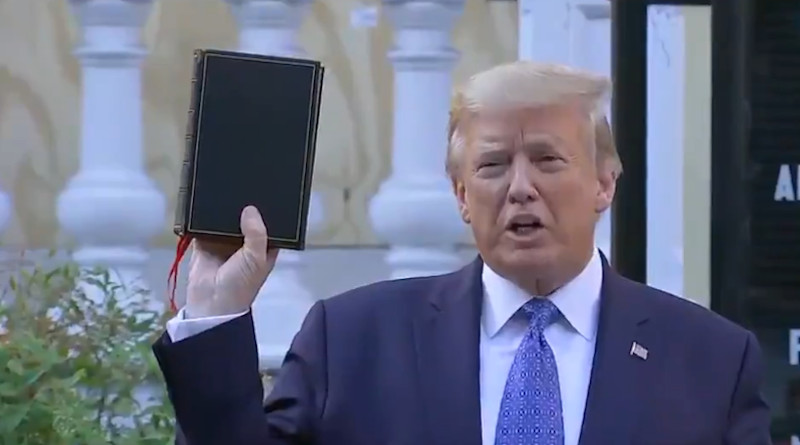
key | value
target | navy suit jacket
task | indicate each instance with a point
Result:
(397, 363)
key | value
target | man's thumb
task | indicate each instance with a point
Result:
(254, 231)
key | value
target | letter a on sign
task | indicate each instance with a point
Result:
(784, 188)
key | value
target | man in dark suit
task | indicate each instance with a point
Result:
(536, 342)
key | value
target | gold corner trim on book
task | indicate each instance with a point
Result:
(308, 148)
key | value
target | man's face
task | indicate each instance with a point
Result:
(529, 187)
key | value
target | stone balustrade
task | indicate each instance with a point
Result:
(112, 209)
(270, 27)
(423, 235)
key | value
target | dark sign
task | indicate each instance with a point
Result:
(774, 148)
(755, 176)
(772, 300)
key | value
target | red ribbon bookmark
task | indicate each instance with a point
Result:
(172, 280)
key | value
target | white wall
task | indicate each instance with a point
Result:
(697, 154)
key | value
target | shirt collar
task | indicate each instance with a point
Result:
(578, 300)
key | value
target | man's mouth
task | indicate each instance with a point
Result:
(524, 224)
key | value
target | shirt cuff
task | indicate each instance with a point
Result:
(180, 328)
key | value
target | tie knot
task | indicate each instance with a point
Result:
(540, 312)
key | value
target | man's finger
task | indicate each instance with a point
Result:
(219, 250)
(254, 231)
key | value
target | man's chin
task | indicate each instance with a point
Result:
(529, 257)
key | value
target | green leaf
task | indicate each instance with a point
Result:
(12, 417)
(31, 377)
(8, 389)
(15, 366)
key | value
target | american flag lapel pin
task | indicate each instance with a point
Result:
(639, 351)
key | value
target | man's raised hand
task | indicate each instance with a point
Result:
(224, 279)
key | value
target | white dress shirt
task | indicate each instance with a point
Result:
(572, 339)
(180, 328)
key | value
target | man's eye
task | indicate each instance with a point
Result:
(549, 158)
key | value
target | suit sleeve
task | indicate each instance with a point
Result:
(214, 385)
(749, 419)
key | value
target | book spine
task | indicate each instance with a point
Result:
(312, 152)
(190, 140)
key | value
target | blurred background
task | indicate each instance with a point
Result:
(93, 110)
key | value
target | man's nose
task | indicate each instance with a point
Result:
(522, 189)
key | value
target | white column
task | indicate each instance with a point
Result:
(5, 211)
(665, 87)
(526, 34)
(415, 210)
(590, 28)
(111, 207)
(270, 27)
(542, 25)
(576, 33)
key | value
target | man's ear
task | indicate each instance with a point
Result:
(607, 181)
(460, 191)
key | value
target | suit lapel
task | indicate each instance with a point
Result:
(447, 336)
(620, 377)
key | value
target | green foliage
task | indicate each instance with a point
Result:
(75, 362)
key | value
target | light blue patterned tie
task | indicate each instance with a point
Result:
(530, 413)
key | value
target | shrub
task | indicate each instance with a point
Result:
(76, 365)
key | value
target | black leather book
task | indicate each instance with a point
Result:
(251, 139)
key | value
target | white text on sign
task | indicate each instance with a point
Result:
(794, 347)
(788, 188)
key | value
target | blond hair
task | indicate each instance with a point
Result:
(526, 84)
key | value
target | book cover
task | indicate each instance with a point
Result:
(251, 139)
